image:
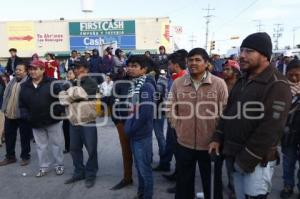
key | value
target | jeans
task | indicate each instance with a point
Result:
(290, 157)
(186, 168)
(158, 126)
(142, 153)
(87, 136)
(171, 141)
(11, 128)
(253, 184)
(49, 137)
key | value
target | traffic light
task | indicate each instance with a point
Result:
(212, 45)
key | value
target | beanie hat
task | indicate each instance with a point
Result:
(261, 42)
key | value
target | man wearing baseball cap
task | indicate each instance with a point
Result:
(39, 106)
(253, 121)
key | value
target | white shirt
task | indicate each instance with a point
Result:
(106, 88)
(198, 83)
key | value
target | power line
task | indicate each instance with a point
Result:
(259, 25)
(238, 15)
(192, 40)
(208, 16)
(277, 34)
(180, 10)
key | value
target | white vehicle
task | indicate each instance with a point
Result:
(232, 51)
(287, 53)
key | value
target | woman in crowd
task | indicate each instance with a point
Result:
(52, 66)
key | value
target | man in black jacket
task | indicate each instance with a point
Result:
(13, 61)
(252, 123)
(37, 105)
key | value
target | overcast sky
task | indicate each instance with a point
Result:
(231, 17)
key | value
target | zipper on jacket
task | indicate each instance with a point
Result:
(195, 117)
(245, 84)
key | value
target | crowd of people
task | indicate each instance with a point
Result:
(234, 111)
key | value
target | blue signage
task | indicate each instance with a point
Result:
(82, 43)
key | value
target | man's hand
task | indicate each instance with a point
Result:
(214, 146)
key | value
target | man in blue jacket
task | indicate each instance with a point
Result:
(95, 66)
(139, 126)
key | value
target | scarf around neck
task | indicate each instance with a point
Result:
(295, 88)
(135, 88)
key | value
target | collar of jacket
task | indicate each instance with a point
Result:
(264, 76)
(83, 79)
(44, 80)
(188, 81)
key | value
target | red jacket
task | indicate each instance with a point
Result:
(52, 69)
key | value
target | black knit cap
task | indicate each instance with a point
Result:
(261, 42)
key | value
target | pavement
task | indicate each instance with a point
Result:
(14, 185)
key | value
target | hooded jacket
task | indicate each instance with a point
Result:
(95, 62)
(140, 124)
(108, 62)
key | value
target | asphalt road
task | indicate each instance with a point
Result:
(13, 185)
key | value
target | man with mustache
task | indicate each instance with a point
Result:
(252, 123)
(195, 102)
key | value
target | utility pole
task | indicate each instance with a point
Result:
(277, 34)
(192, 40)
(208, 16)
(259, 25)
(294, 36)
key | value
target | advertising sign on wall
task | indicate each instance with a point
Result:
(90, 35)
(102, 28)
(165, 36)
(52, 37)
(21, 35)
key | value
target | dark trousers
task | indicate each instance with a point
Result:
(171, 141)
(87, 136)
(186, 167)
(11, 127)
(66, 129)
